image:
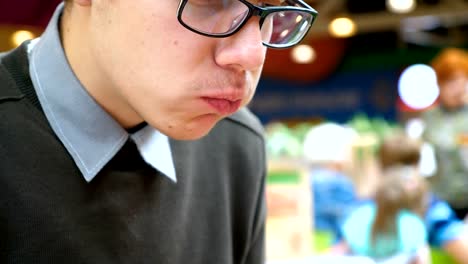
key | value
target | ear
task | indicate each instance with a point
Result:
(83, 2)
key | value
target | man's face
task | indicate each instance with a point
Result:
(178, 81)
(453, 91)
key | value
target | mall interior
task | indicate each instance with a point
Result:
(363, 74)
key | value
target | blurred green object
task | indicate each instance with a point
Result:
(361, 123)
(376, 127)
(284, 177)
(300, 131)
(440, 257)
(282, 142)
(323, 241)
(287, 142)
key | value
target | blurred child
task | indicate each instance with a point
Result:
(327, 149)
(392, 227)
(445, 230)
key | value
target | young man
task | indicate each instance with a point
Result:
(123, 137)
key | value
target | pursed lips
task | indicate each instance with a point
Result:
(226, 101)
(226, 97)
(223, 106)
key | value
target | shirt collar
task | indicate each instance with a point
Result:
(90, 134)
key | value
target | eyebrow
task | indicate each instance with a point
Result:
(272, 2)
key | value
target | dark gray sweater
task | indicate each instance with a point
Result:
(128, 213)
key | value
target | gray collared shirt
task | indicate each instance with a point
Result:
(90, 134)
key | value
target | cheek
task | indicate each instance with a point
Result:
(254, 79)
(250, 95)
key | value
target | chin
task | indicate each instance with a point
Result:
(188, 136)
(195, 129)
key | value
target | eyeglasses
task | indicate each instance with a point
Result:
(283, 23)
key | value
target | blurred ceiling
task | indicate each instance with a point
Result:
(432, 24)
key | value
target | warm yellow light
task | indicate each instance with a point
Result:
(284, 33)
(401, 6)
(303, 54)
(342, 27)
(298, 19)
(20, 36)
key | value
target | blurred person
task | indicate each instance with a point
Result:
(445, 230)
(391, 230)
(446, 129)
(124, 137)
(327, 149)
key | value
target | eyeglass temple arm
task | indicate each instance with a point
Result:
(302, 3)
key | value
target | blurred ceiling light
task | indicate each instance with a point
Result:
(415, 127)
(342, 27)
(418, 87)
(298, 19)
(284, 33)
(303, 54)
(401, 6)
(20, 36)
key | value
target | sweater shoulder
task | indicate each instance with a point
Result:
(244, 119)
(9, 70)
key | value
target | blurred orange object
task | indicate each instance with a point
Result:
(328, 51)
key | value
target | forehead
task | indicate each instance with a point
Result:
(458, 76)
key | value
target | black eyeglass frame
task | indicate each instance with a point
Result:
(254, 10)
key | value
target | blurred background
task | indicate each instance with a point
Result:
(364, 65)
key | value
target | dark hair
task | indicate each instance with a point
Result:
(399, 149)
(390, 198)
(401, 187)
(400, 184)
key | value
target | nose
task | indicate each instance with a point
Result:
(243, 50)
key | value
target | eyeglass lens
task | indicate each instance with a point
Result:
(221, 17)
(285, 27)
